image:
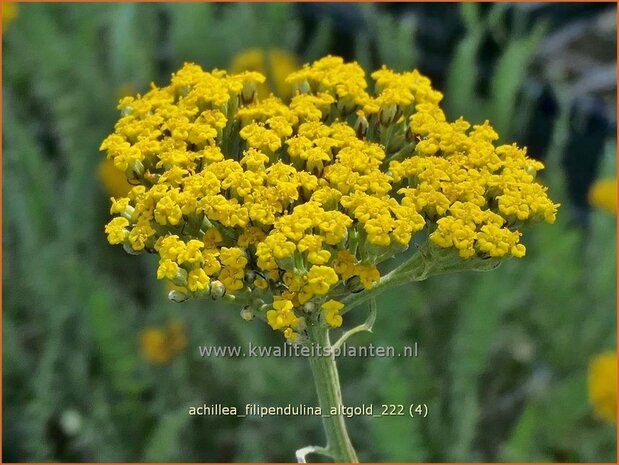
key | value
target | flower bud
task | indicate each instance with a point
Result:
(218, 290)
(128, 212)
(309, 307)
(181, 277)
(361, 126)
(126, 111)
(346, 105)
(410, 136)
(303, 87)
(250, 276)
(387, 115)
(248, 94)
(136, 169)
(177, 296)
(247, 314)
(232, 105)
(129, 248)
(265, 307)
(353, 284)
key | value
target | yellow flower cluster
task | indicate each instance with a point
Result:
(159, 345)
(603, 385)
(477, 194)
(332, 316)
(282, 206)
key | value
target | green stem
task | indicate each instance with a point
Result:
(329, 395)
(414, 269)
(418, 268)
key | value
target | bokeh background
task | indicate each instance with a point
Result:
(518, 364)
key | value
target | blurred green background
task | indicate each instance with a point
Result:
(99, 366)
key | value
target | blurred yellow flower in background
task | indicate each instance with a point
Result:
(276, 64)
(124, 90)
(159, 344)
(603, 385)
(10, 11)
(113, 180)
(603, 195)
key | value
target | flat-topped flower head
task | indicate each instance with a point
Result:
(287, 207)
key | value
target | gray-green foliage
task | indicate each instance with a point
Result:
(501, 106)
(394, 38)
(503, 354)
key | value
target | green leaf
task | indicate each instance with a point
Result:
(166, 442)
(480, 315)
(564, 407)
(319, 43)
(471, 17)
(548, 422)
(362, 50)
(396, 42)
(460, 91)
(398, 438)
(133, 43)
(522, 443)
(117, 351)
(511, 71)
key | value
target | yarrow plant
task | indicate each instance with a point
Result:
(300, 211)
